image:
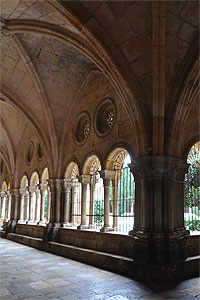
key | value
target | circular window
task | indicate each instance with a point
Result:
(39, 152)
(105, 117)
(29, 154)
(82, 128)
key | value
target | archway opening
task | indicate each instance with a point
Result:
(72, 202)
(122, 191)
(192, 190)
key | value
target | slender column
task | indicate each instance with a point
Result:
(31, 205)
(115, 202)
(59, 188)
(27, 203)
(56, 186)
(38, 200)
(67, 188)
(17, 208)
(1, 206)
(6, 206)
(42, 201)
(74, 192)
(22, 204)
(9, 204)
(93, 182)
(84, 179)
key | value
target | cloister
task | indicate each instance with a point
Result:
(99, 138)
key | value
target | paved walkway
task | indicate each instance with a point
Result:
(27, 273)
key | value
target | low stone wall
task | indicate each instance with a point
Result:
(104, 242)
(193, 245)
(35, 231)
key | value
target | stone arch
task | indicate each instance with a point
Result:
(72, 171)
(188, 145)
(45, 175)
(24, 182)
(116, 155)
(34, 180)
(91, 164)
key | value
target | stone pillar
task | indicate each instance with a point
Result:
(59, 189)
(26, 206)
(38, 204)
(3, 205)
(56, 187)
(74, 192)
(22, 204)
(31, 205)
(93, 182)
(6, 206)
(17, 207)
(84, 180)
(115, 202)
(9, 204)
(67, 188)
(43, 189)
(107, 175)
(159, 234)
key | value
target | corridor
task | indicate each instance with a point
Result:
(27, 273)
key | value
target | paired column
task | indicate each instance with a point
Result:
(43, 192)
(56, 187)
(93, 182)
(107, 176)
(22, 204)
(67, 189)
(115, 202)
(84, 180)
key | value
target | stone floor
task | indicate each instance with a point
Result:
(27, 273)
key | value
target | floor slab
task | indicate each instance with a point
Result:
(28, 273)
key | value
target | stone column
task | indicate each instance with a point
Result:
(38, 204)
(74, 192)
(159, 234)
(56, 187)
(84, 180)
(107, 175)
(26, 206)
(67, 188)
(9, 204)
(22, 204)
(115, 201)
(59, 189)
(31, 205)
(6, 206)
(93, 182)
(3, 205)
(43, 189)
(17, 207)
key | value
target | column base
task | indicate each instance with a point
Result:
(83, 227)
(21, 222)
(92, 226)
(106, 229)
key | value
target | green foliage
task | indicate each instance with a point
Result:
(192, 190)
(193, 225)
(99, 213)
(125, 192)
